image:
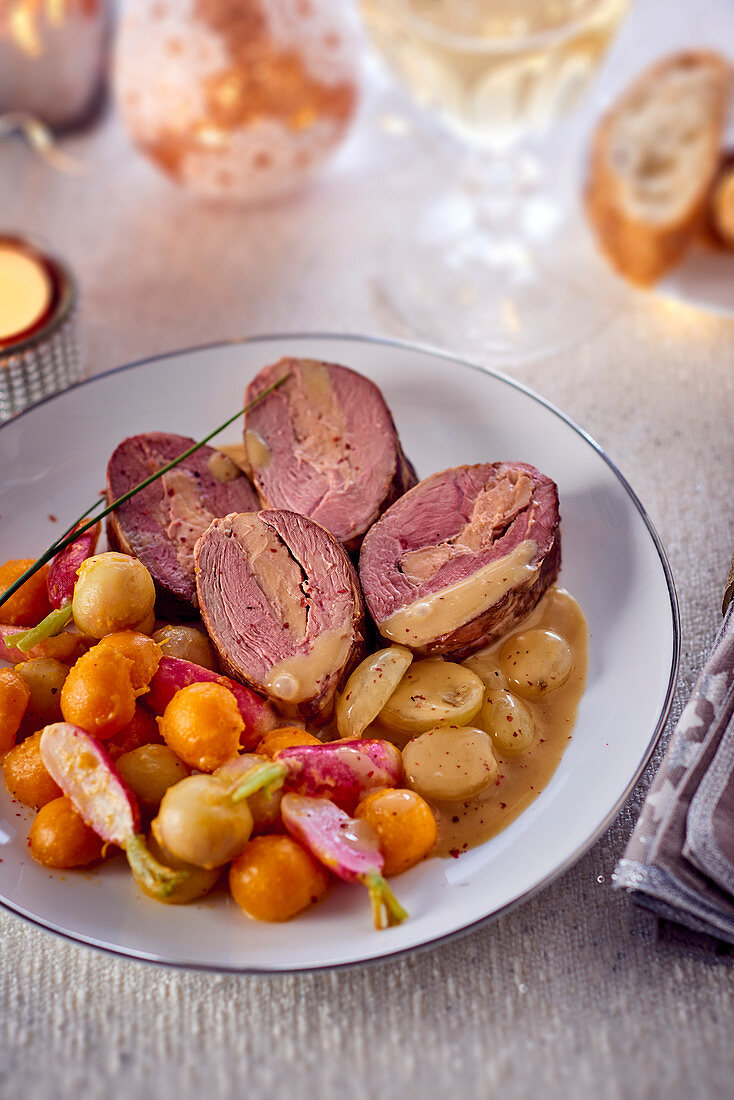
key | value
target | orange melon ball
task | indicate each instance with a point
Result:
(14, 698)
(25, 773)
(141, 650)
(142, 729)
(404, 824)
(98, 694)
(202, 724)
(30, 603)
(60, 837)
(274, 878)
(285, 738)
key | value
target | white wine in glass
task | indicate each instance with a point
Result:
(496, 72)
(496, 69)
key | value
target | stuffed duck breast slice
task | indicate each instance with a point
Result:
(462, 558)
(324, 444)
(282, 604)
(160, 524)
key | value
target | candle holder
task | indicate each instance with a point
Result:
(43, 357)
(54, 59)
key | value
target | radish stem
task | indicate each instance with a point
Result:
(267, 777)
(386, 909)
(49, 627)
(156, 878)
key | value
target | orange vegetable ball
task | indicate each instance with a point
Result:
(60, 837)
(25, 773)
(404, 824)
(141, 730)
(98, 694)
(274, 878)
(202, 724)
(285, 738)
(63, 647)
(14, 697)
(141, 650)
(29, 604)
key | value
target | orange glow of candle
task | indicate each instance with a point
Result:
(26, 292)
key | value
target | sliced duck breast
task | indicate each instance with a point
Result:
(462, 558)
(324, 444)
(282, 604)
(160, 524)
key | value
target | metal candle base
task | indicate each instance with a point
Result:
(47, 359)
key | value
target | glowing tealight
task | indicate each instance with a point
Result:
(26, 291)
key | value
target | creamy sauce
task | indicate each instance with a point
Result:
(223, 467)
(522, 778)
(257, 450)
(429, 618)
(238, 453)
(298, 677)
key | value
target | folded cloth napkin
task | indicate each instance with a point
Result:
(680, 858)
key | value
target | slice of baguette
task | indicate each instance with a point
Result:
(653, 159)
(721, 204)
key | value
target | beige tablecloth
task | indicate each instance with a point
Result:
(569, 995)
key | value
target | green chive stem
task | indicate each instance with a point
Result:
(73, 532)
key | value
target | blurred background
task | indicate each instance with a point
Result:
(216, 170)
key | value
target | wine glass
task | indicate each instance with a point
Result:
(490, 269)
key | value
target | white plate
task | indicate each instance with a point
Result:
(53, 461)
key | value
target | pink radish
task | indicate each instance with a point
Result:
(62, 574)
(174, 673)
(85, 772)
(348, 847)
(60, 584)
(342, 771)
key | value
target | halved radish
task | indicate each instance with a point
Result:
(341, 770)
(83, 769)
(348, 847)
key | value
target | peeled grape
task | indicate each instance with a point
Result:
(486, 667)
(433, 693)
(535, 662)
(189, 643)
(45, 678)
(195, 884)
(369, 688)
(508, 721)
(448, 765)
(150, 770)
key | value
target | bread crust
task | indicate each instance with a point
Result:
(639, 250)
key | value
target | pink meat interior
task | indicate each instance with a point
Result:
(163, 522)
(449, 526)
(249, 624)
(332, 457)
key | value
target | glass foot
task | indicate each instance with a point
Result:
(503, 289)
